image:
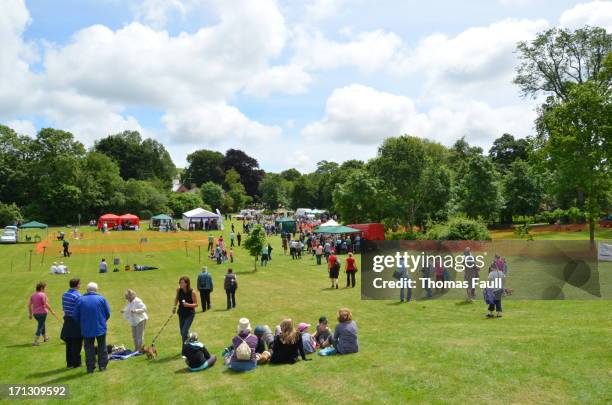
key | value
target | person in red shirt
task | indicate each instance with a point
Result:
(351, 269)
(333, 267)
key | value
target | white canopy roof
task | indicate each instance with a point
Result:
(331, 222)
(199, 213)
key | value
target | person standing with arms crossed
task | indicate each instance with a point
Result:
(205, 286)
(187, 301)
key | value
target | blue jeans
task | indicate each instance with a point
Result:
(40, 327)
(237, 365)
(185, 322)
(408, 291)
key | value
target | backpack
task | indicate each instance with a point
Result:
(243, 351)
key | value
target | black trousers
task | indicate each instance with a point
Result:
(205, 299)
(90, 352)
(350, 279)
(231, 242)
(73, 351)
(238, 241)
(231, 298)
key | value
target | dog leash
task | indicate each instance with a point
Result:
(162, 328)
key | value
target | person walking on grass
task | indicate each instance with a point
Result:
(333, 267)
(232, 236)
(238, 238)
(187, 301)
(230, 284)
(92, 312)
(39, 308)
(135, 312)
(319, 253)
(493, 296)
(71, 330)
(351, 269)
(211, 243)
(205, 286)
(66, 246)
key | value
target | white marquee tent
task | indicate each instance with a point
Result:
(199, 218)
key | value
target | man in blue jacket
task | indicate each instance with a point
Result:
(92, 312)
(205, 285)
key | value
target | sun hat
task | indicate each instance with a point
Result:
(303, 326)
(259, 329)
(243, 325)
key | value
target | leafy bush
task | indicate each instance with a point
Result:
(401, 235)
(459, 228)
(145, 214)
(9, 214)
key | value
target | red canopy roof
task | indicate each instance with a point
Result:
(109, 217)
(130, 217)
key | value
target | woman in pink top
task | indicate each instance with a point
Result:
(38, 308)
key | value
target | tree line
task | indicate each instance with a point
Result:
(562, 172)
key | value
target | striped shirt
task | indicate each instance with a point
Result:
(69, 300)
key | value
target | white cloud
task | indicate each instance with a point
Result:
(215, 123)
(595, 13)
(322, 9)
(23, 127)
(362, 115)
(157, 12)
(289, 79)
(368, 51)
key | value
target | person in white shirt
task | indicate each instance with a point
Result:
(53, 269)
(135, 312)
(62, 269)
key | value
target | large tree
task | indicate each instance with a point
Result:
(573, 69)
(212, 194)
(202, 166)
(578, 147)
(506, 149)
(247, 167)
(558, 58)
(138, 159)
(478, 190)
(522, 188)
(274, 191)
(361, 198)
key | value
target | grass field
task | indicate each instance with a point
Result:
(423, 352)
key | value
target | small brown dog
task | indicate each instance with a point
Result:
(150, 351)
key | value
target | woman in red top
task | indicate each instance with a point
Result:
(38, 308)
(350, 271)
(333, 267)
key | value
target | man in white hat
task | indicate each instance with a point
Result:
(53, 269)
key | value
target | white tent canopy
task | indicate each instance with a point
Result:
(331, 222)
(199, 216)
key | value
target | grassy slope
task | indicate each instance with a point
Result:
(427, 352)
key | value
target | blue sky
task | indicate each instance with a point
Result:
(289, 82)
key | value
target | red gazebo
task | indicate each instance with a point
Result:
(110, 219)
(129, 220)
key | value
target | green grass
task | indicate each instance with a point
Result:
(423, 352)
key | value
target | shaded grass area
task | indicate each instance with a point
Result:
(425, 352)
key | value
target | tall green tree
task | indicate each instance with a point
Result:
(273, 190)
(202, 166)
(137, 158)
(478, 192)
(183, 202)
(361, 199)
(247, 167)
(578, 131)
(212, 194)
(506, 149)
(522, 188)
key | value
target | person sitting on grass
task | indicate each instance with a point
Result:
(241, 355)
(308, 341)
(345, 339)
(264, 341)
(287, 345)
(196, 355)
(323, 335)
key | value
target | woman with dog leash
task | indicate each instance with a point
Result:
(187, 301)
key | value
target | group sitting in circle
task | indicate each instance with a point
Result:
(286, 345)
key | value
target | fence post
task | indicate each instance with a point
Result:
(42, 260)
(186, 254)
(199, 254)
(30, 269)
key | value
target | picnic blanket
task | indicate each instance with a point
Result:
(124, 355)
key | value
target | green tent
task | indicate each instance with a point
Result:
(336, 230)
(286, 224)
(161, 222)
(34, 225)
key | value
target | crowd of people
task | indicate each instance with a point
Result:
(86, 315)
